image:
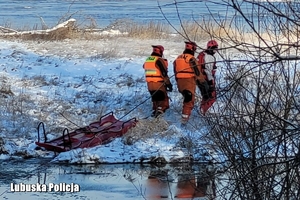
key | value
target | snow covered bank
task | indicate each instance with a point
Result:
(71, 83)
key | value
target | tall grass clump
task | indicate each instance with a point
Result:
(149, 30)
(146, 30)
(203, 31)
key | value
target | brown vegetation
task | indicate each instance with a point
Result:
(69, 30)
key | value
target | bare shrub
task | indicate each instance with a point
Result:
(5, 91)
(254, 132)
(109, 52)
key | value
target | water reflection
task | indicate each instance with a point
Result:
(180, 182)
(118, 181)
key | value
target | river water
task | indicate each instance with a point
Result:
(30, 13)
(39, 179)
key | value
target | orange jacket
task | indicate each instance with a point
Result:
(183, 66)
(152, 72)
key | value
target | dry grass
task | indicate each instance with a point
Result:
(5, 88)
(22, 109)
(127, 28)
(151, 30)
(203, 31)
(62, 31)
(148, 128)
(196, 31)
(192, 31)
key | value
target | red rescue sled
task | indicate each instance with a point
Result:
(97, 133)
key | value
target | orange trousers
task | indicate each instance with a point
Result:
(187, 87)
(159, 95)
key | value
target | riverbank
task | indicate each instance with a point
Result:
(70, 83)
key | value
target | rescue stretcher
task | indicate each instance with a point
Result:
(97, 133)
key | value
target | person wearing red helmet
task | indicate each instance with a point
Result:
(207, 62)
(158, 82)
(187, 74)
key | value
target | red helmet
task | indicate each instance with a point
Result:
(158, 49)
(190, 45)
(212, 43)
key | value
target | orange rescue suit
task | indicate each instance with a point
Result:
(152, 72)
(183, 68)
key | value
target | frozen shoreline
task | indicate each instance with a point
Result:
(51, 78)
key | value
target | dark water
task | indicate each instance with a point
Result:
(118, 181)
(19, 14)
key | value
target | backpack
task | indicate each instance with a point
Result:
(201, 61)
(206, 103)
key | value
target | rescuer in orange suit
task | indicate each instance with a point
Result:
(158, 82)
(188, 76)
(207, 62)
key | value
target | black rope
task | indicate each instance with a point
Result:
(155, 92)
(135, 107)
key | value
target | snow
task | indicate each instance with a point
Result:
(47, 31)
(71, 83)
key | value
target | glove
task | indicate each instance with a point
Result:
(211, 88)
(169, 87)
(166, 62)
(210, 83)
